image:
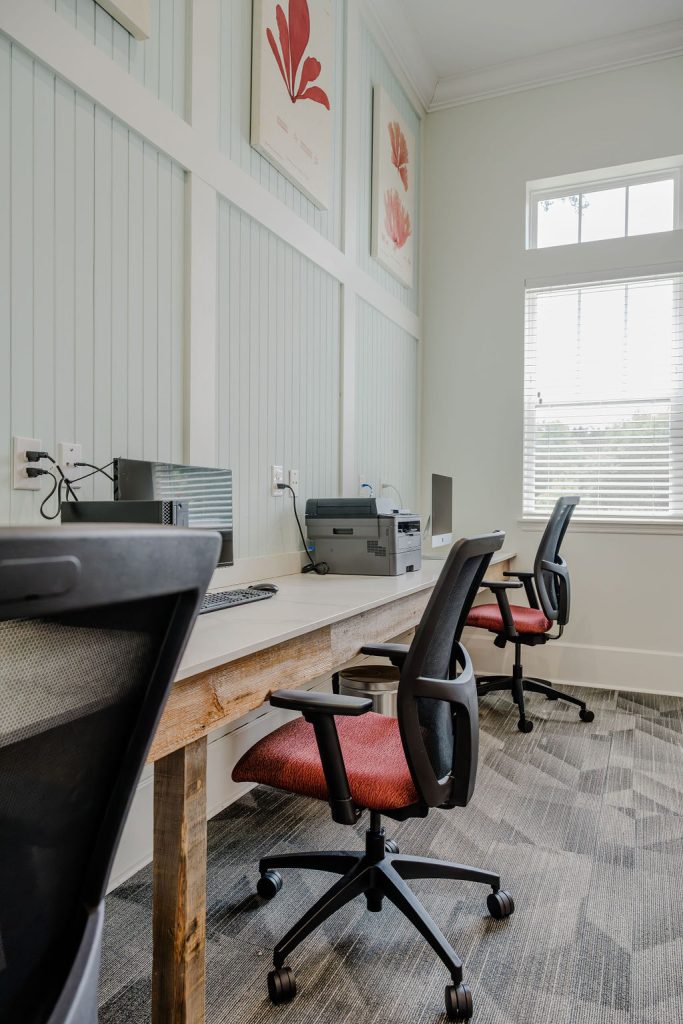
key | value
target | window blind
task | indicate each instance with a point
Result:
(603, 397)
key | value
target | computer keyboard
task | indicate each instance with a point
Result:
(231, 598)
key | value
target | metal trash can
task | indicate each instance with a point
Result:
(378, 682)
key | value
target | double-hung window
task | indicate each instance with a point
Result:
(604, 397)
(603, 360)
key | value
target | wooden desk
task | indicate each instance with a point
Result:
(234, 659)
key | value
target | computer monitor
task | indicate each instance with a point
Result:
(207, 491)
(442, 510)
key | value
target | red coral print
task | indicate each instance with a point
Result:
(396, 219)
(399, 151)
(294, 34)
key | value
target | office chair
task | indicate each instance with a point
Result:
(92, 626)
(342, 752)
(547, 591)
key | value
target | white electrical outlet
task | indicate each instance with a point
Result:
(294, 481)
(277, 476)
(20, 445)
(68, 454)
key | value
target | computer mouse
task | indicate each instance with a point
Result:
(270, 588)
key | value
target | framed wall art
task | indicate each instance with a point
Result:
(393, 189)
(292, 100)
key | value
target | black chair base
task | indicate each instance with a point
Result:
(519, 684)
(378, 872)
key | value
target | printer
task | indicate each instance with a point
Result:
(364, 536)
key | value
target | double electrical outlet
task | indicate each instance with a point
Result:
(68, 454)
(277, 476)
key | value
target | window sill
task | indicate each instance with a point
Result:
(579, 525)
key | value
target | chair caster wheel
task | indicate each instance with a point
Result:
(391, 846)
(458, 1002)
(500, 904)
(269, 884)
(281, 985)
(524, 725)
(585, 715)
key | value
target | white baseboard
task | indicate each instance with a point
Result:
(226, 747)
(572, 664)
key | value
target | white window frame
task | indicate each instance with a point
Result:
(601, 183)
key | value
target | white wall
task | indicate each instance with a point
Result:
(626, 600)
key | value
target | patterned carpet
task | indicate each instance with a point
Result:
(584, 822)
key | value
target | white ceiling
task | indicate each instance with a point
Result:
(458, 50)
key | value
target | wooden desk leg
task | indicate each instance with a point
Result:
(179, 886)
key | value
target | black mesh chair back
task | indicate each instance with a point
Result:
(551, 574)
(437, 701)
(93, 623)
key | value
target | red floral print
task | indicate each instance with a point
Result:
(396, 219)
(399, 151)
(294, 34)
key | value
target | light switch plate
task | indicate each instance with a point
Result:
(68, 453)
(20, 445)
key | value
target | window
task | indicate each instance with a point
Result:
(603, 206)
(604, 397)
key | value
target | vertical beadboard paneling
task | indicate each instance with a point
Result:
(374, 70)
(235, 115)
(278, 378)
(91, 281)
(158, 63)
(386, 404)
(5, 277)
(21, 282)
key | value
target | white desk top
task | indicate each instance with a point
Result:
(304, 602)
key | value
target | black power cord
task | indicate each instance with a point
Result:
(56, 486)
(96, 469)
(63, 481)
(321, 568)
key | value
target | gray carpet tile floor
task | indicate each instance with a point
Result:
(584, 823)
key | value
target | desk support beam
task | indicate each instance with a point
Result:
(179, 886)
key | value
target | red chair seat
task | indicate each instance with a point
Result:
(379, 777)
(526, 620)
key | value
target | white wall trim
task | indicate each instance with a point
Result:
(396, 36)
(591, 665)
(49, 38)
(619, 51)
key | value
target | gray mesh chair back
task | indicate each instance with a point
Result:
(550, 569)
(93, 623)
(437, 700)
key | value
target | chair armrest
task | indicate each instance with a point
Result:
(528, 580)
(312, 702)
(319, 709)
(501, 585)
(396, 653)
(500, 589)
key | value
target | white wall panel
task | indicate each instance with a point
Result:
(374, 69)
(91, 286)
(386, 417)
(278, 378)
(235, 115)
(158, 63)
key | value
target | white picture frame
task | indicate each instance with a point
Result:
(134, 15)
(393, 189)
(292, 100)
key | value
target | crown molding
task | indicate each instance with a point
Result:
(619, 51)
(396, 36)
